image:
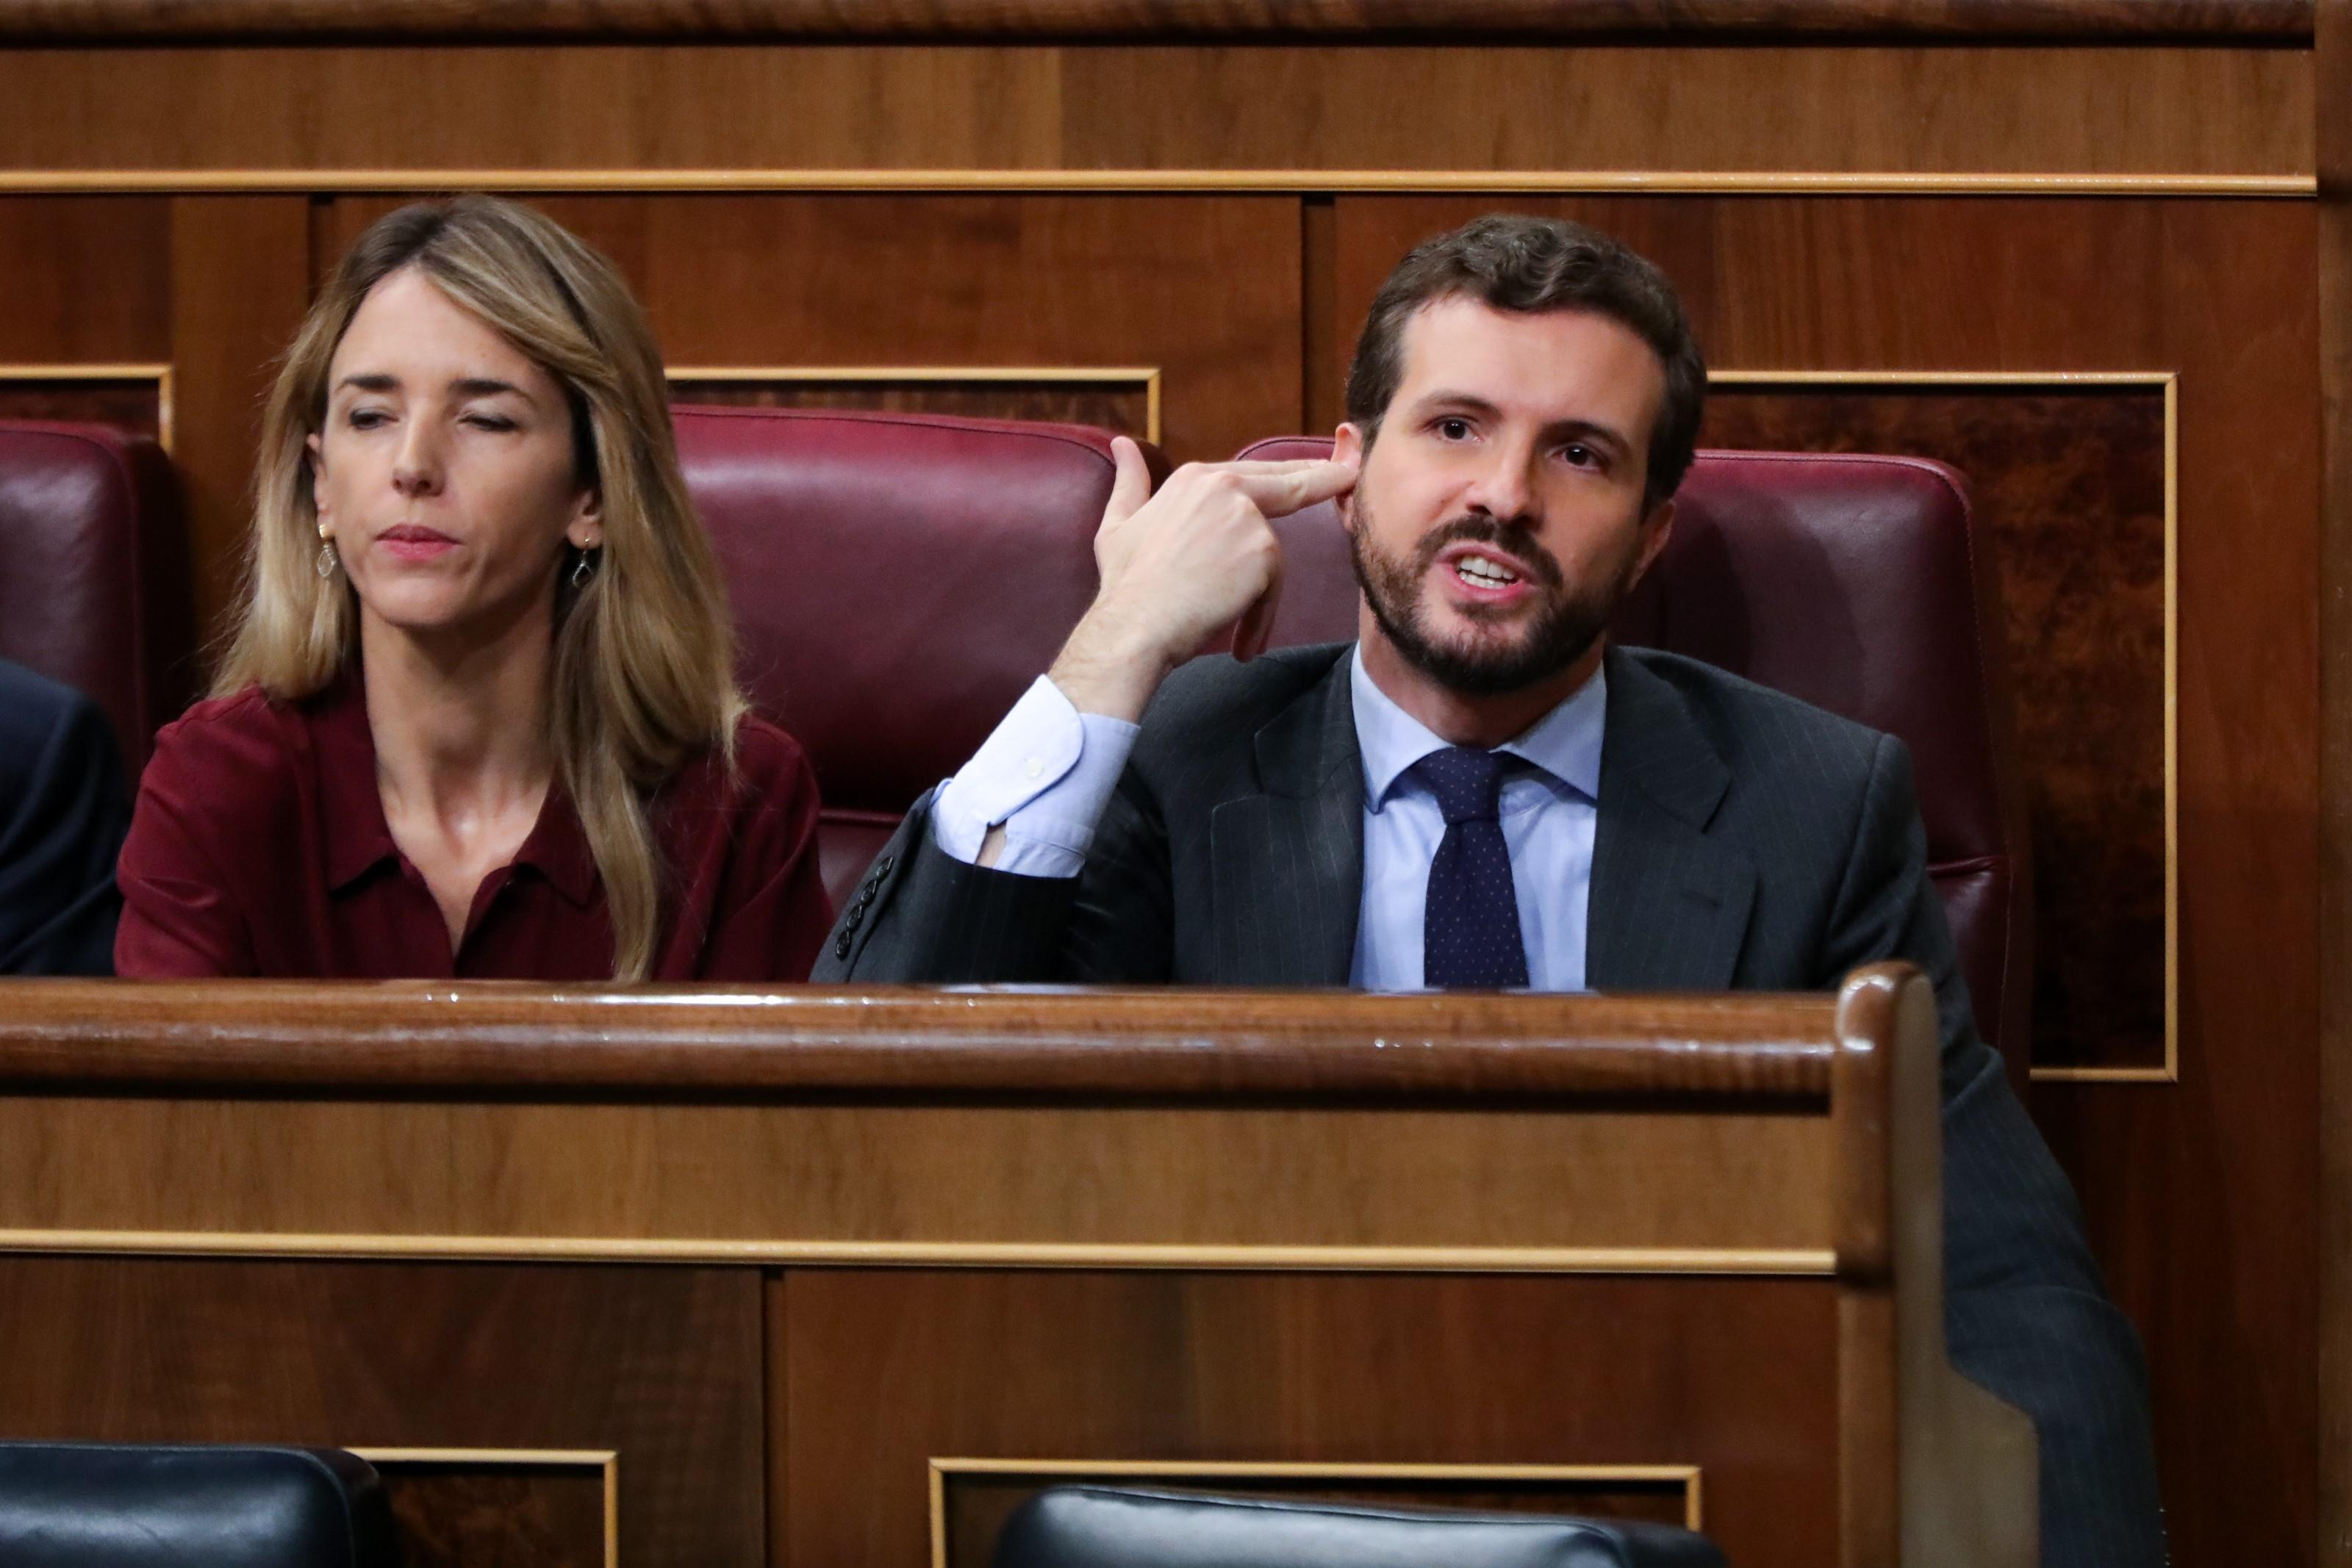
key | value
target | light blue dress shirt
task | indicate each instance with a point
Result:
(1548, 810)
(1047, 774)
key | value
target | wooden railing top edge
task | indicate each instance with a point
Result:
(2262, 21)
(509, 1038)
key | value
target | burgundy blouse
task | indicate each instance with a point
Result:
(258, 847)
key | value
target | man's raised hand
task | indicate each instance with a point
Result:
(1181, 565)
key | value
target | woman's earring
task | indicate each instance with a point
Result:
(583, 569)
(327, 561)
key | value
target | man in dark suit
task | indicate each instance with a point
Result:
(64, 808)
(1481, 792)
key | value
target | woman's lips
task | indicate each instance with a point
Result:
(412, 543)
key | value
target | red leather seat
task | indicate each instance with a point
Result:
(94, 586)
(899, 581)
(1858, 583)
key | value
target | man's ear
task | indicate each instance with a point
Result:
(1347, 446)
(1655, 529)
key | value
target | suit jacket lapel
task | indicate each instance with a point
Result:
(1287, 864)
(1669, 904)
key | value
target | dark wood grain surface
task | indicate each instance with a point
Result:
(1123, 407)
(883, 1372)
(131, 405)
(2287, 20)
(89, 280)
(2334, 1041)
(239, 273)
(1205, 289)
(80, 1034)
(312, 115)
(662, 1365)
(477, 1512)
(2070, 486)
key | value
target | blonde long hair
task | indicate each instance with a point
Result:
(644, 657)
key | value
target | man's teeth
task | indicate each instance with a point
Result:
(1484, 572)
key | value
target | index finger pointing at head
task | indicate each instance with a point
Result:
(1278, 494)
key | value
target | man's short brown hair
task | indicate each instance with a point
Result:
(1529, 265)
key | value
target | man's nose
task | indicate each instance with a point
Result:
(1505, 486)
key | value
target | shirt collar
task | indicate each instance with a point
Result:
(356, 837)
(1565, 742)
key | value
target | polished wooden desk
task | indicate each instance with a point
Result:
(836, 1277)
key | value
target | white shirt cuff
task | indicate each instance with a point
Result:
(1045, 774)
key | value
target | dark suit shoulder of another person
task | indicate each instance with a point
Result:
(64, 808)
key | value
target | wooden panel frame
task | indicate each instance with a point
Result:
(607, 1461)
(1688, 1477)
(1148, 377)
(2167, 383)
(161, 374)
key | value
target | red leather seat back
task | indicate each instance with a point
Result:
(1858, 583)
(899, 581)
(94, 585)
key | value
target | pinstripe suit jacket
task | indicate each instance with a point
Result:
(1743, 841)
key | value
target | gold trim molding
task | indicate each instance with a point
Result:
(1147, 377)
(1785, 1262)
(607, 1460)
(1687, 1476)
(1113, 181)
(161, 374)
(2168, 383)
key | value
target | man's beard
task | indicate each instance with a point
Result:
(1570, 623)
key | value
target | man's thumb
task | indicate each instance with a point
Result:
(1133, 486)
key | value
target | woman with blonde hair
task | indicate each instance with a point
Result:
(478, 715)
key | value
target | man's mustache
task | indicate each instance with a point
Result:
(1475, 528)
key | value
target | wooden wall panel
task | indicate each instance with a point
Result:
(87, 280)
(2071, 488)
(2334, 38)
(2148, 110)
(1125, 406)
(661, 1365)
(1204, 289)
(2243, 21)
(884, 1372)
(2335, 586)
(2170, 111)
(240, 283)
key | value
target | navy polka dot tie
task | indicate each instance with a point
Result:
(1470, 930)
